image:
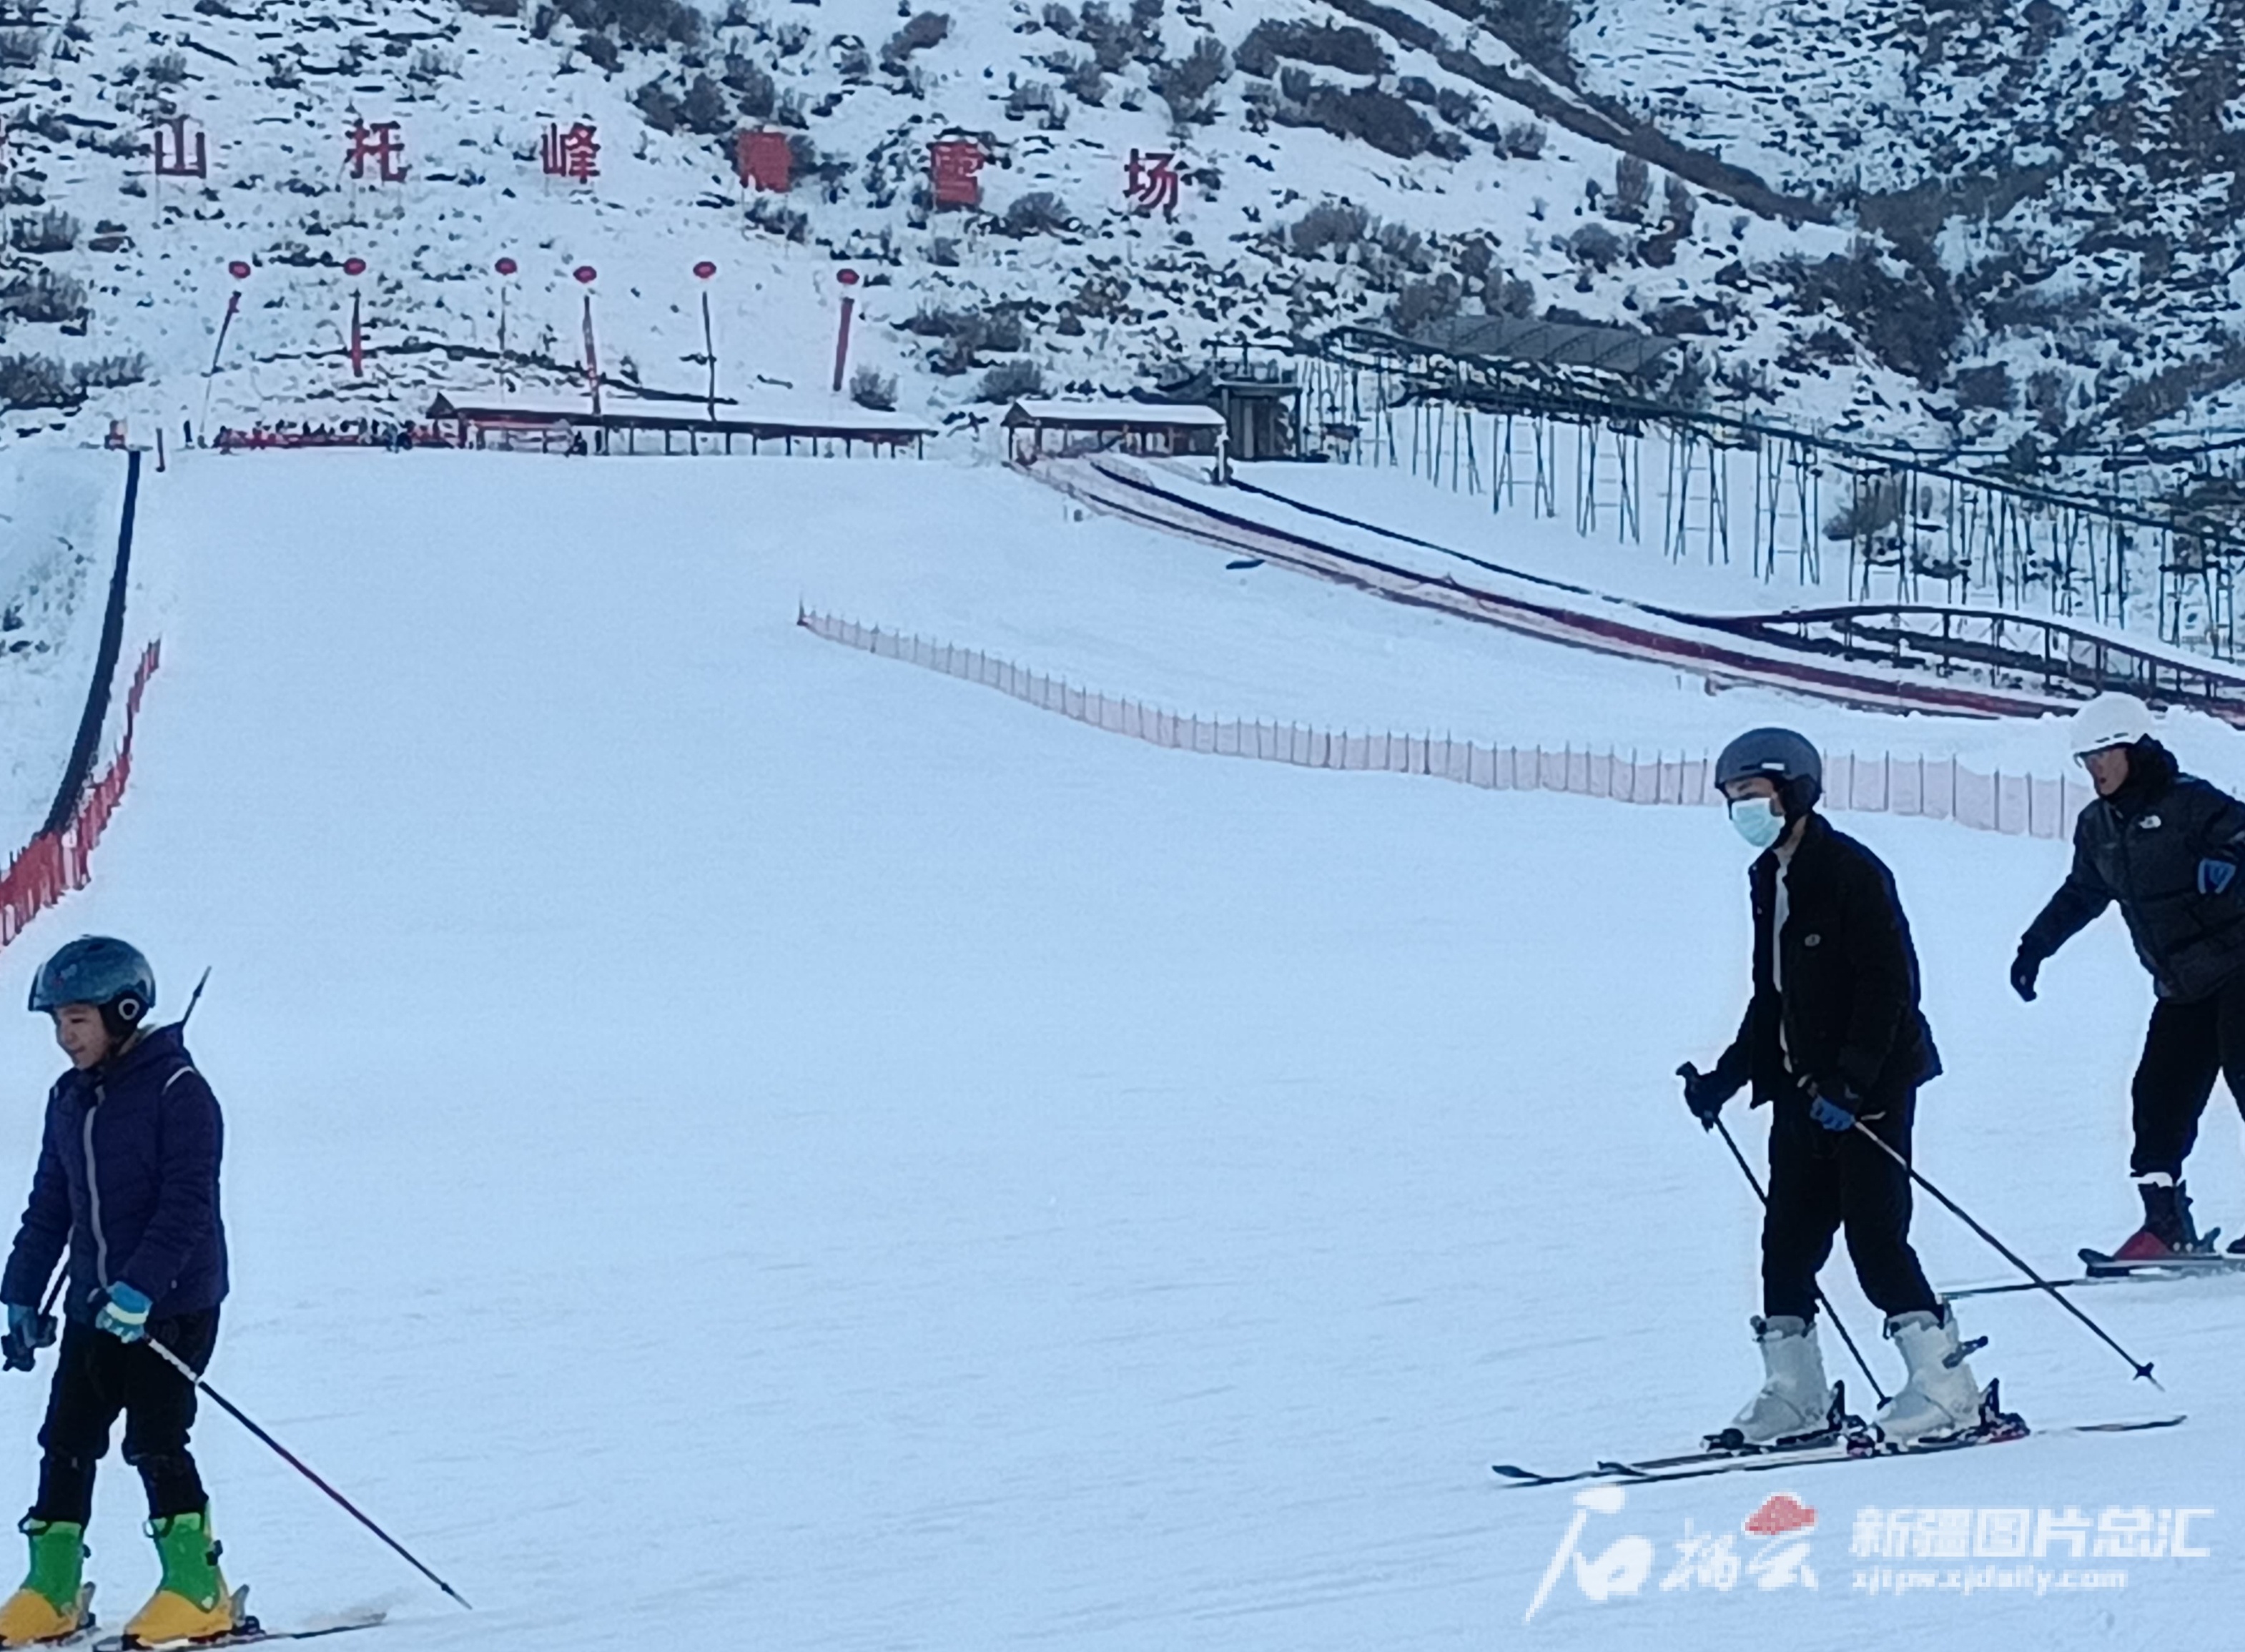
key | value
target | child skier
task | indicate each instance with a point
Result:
(127, 1181)
(1833, 1035)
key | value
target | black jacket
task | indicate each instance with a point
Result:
(2167, 847)
(1850, 1009)
(127, 1181)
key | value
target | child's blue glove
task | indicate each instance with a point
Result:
(124, 1314)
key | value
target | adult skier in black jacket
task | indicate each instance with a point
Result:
(2167, 848)
(1833, 1035)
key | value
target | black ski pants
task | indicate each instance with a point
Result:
(2185, 1047)
(1823, 1181)
(96, 1378)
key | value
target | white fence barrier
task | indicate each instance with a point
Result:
(1935, 788)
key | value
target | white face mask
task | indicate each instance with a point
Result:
(1758, 821)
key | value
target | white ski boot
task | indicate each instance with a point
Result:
(1941, 1396)
(1795, 1397)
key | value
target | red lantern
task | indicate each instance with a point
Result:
(354, 266)
(847, 277)
(586, 273)
(506, 267)
(705, 269)
(239, 269)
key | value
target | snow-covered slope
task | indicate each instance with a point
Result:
(732, 1138)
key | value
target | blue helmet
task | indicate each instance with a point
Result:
(94, 968)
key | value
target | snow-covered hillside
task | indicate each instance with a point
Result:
(2063, 180)
(1468, 179)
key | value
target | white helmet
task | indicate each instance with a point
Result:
(2109, 720)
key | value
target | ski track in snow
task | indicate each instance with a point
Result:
(730, 1141)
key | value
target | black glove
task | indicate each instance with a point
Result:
(1704, 1093)
(28, 1330)
(2024, 968)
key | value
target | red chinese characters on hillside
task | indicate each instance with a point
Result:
(574, 155)
(180, 152)
(765, 161)
(1151, 181)
(381, 144)
(955, 168)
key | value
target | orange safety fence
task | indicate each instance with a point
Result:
(1933, 789)
(54, 863)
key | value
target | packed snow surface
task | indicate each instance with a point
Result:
(734, 1141)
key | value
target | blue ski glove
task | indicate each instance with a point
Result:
(124, 1314)
(1835, 1114)
(2215, 874)
(28, 1330)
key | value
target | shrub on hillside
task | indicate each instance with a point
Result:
(53, 231)
(1009, 381)
(658, 106)
(871, 389)
(44, 296)
(925, 29)
(1537, 30)
(109, 372)
(1596, 246)
(1185, 85)
(1632, 190)
(36, 380)
(1524, 139)
(704, 109)
(754, 86)
(1353, 51)
(1039, 213)
(647, 24)
(1381, 118)
(1337, 225)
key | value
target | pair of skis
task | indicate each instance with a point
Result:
(247, 1631)
(2100, 1269)
(1845, 1439)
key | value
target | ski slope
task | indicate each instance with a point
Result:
(736, 1143)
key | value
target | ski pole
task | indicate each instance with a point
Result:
(1831, 1312)
(301, 1467)
(194, 998)
(2143, 1368)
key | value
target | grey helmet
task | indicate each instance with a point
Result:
(1780, 756)
(110, 974)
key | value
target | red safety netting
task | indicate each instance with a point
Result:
(54, 863)
(1934, 788)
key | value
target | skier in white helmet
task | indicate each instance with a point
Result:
(2167, 848)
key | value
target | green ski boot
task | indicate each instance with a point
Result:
(190, 1603)
(52, 1604)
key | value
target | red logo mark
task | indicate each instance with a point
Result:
(1782, 1513)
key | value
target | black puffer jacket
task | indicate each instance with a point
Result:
(2167, 848)
(1849, 1008)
